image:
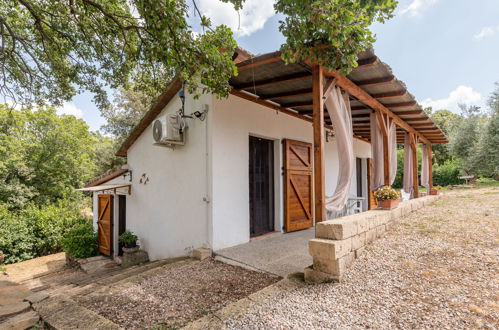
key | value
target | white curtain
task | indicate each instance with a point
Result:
(408, 182)
(425, 167)
(377, 180)
(338, 107)
(392, 147)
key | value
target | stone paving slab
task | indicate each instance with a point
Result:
(61, 312)
(11, 293)
(21, 321)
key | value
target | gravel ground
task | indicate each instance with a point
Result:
(437, 268)
(177, 295)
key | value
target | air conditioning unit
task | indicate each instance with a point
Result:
(169, 130)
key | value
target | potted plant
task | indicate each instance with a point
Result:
(128, 239)
(435, 190)
(387, 198)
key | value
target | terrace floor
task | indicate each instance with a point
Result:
(278, 253)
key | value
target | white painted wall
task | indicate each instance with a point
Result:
(234, 120)
(168, 213)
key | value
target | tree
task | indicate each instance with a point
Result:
(448, 122)
(464, 142)
(43, 156)
(50, 48)
(486, 158)
(128, 108)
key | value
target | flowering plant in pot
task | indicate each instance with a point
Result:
(128, 239)
(435, 190)
(387, 197)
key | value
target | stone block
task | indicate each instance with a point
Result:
(362, 222)
(313, 276)
(202, 253)
(36, 297)
(371, 235)
(405, 208)
(329, 249)
(335, 267)
(338, 229)
(395, 214)
(373, 221)
(360, 251)
(134, 258)
(358, 241)
(21, 321)
(380, 231)
(11, 309)
(383, 217)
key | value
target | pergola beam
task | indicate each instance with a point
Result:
(287, 94)
(377, 81)
(273, 81)
(367, 99)
(259, 61)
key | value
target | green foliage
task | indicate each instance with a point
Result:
(45, 156)
(332, 33)
(127, 238)
(81, 241)
(446, 174)
(50, 47)
(386, 193)
(128, 108)
(36, 231)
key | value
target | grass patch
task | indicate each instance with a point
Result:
(438, 203)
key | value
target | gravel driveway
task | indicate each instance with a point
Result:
(437, 268)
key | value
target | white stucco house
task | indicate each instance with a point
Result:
(245, 167)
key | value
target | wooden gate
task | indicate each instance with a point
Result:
(297, 185)
(105, 224)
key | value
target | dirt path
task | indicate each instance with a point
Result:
(437, 268)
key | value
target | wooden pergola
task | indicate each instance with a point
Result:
(297, 90)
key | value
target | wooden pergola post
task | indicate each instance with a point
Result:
(414, 147)
(430, 166)
(318, 126)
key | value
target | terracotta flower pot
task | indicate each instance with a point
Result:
(434, 192)
(388, 204)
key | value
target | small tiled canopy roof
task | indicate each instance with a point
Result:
(290, 88)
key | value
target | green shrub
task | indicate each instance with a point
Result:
(36, 231)
(16, 238)
(446, 174)
(127, 238)
(81, 241)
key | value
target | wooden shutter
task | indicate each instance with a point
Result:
(297, 185)
(105, 224)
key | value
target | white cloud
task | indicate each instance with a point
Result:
(462, 94)
(250, 19)
(70, 109)
(416, 6)
(486, 32)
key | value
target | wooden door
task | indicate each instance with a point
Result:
(121, 220)
(297, 185)
(261, 186)
(105, 224)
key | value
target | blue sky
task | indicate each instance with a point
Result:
(446, 51)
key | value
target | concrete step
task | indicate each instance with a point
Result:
(20, 321)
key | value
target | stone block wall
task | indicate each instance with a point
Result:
(339, 242)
